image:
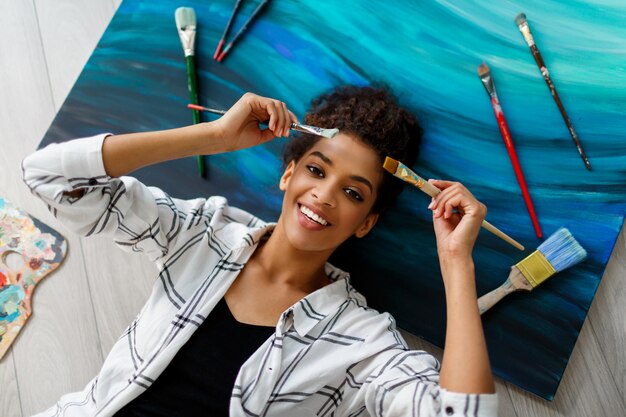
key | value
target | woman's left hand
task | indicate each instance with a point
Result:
(456, 231)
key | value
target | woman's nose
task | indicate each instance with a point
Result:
(325, 195)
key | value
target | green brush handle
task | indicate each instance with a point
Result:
(192, 85)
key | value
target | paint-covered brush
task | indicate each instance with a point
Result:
(522, 24)
(399, 170)
(560, 251)
(186, 25)
(312, 130)
(487, 79)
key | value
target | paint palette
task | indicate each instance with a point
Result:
(29, 250)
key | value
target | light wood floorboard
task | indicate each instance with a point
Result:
(100, 289)
(70, 33)
(608, 316)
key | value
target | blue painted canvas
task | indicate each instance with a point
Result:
(427, 53)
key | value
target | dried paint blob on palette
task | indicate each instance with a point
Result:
(29, 251)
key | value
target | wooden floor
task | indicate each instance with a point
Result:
(82, 308)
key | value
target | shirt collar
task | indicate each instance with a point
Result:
(312, 309)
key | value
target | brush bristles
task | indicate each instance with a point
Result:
(391, 165)
(329, 133)
(483, 69)
(520, 19)
(185, 16)
(562, 250)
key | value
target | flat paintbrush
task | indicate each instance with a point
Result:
(399, 170)
(312, 130)
(186, 24)
(560, 251)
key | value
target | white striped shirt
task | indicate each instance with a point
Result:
(330, 355)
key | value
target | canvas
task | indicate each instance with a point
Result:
(427, 53)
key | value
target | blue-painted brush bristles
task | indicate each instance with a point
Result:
(562, 250)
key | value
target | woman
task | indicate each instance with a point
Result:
(248, 318)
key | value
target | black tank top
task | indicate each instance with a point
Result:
(200, 378)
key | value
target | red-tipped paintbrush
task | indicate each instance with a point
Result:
(243, 29)
(218, 50)
(485, 76)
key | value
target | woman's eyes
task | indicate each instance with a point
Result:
(315, 171)
(353, 194)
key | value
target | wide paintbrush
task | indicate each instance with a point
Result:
(560, 251)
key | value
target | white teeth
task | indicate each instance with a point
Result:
(312, 216)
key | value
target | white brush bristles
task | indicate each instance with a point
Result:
(186, 25)
(562, 250)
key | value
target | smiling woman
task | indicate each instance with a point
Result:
(248, 318)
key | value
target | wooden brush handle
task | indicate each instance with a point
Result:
(491, 298)
(433, 191)
(488, 226)
(515, 282)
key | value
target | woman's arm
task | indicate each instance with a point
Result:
(465, 366)
(75, 181)
(237, 129)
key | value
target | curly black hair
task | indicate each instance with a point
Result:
(373, 115)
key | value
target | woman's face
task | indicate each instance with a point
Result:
(329, 193)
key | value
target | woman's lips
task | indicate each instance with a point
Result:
(307, 222)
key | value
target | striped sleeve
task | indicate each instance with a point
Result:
(138, 218)
(406, 383)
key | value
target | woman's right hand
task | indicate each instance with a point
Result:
(457, 218)
(239, 127)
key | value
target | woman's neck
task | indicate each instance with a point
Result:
(289, 266)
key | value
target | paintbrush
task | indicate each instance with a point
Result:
(522, 24)
(312, 130)
(226, 29)
(560, 251)
(485, 76)
(242, 30)
(399, 170)
(186, 24)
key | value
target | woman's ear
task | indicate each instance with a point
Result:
(367, 225)
(284, 180)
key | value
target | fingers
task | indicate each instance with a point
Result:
(264, 108)
(442, 184)
(293, 117)
(454, 196)
(280, 117)
(445, 203)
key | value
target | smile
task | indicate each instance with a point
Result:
(312, 216)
